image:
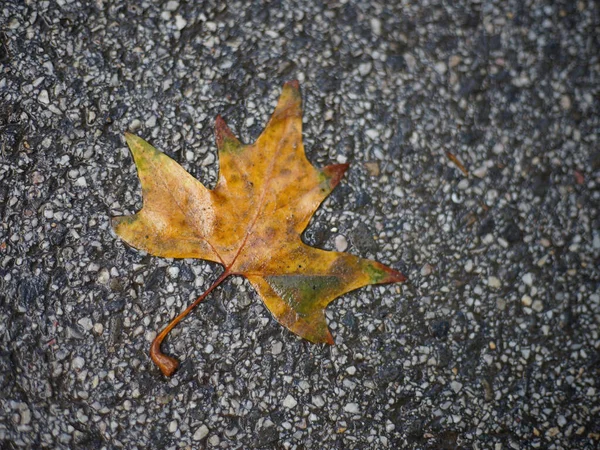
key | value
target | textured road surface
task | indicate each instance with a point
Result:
(493, 344)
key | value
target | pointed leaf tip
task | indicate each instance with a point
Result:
(133, 140)
(335, 172)
(396, 277)
(295, 84)
(223, 133)
(392, 275)
(129, 137)
(329, 339)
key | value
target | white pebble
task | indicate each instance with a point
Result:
(289, 402)
(150, 336)
(440, 68)
(351, 408)
(456, 386)
(103, 276)
(494, 282)
(372, 133)
(172, 5)
(180, 22)
(25, 416)
(43, 97)
(77, 363)
(364, 69)
(86, 323)
(135, 124)
(526, 300)
(318, 401)
(527, 279)
(276, 347)
(469, 266)
(173, 426)
(341, 243)
(201, 433)
(376, 26)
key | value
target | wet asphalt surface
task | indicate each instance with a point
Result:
(492, 344)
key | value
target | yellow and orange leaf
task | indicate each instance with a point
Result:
(251, 221)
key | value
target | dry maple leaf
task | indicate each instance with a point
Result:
(250, 222)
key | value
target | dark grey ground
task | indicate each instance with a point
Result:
(493, 344)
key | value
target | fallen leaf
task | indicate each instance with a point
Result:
(250, 223)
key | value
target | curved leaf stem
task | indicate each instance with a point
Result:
(165, 363)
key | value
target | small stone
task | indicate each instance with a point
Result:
(77, 363)
(591, 392)
(103, 276)
(372, 133)
(351, 370)
(173, 426)
(201, 433)
(501, 304)
(537, 306)
(276, 347)
(565, 102)
(526, 300)
(86, 323)
(289, 402)
(180, 22)
(456, 386)
(98, 328)
(364, 69)
(318, 401)
(172, 5)
(481, 172)
(351, 408)
(43, 97)
(426, 270)
(150, 122)
(149, 336)
(527, 279)
(469, 266)
(494, 282)
(135, 125)
(411, 61)
(440, 68)
(454, 61)
(173, 271)
(341, 243)
(376, 26)
(498, 148)
(25, 415)
(372, 168)
(81, 182)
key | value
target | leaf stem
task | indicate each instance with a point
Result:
(165, 363)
